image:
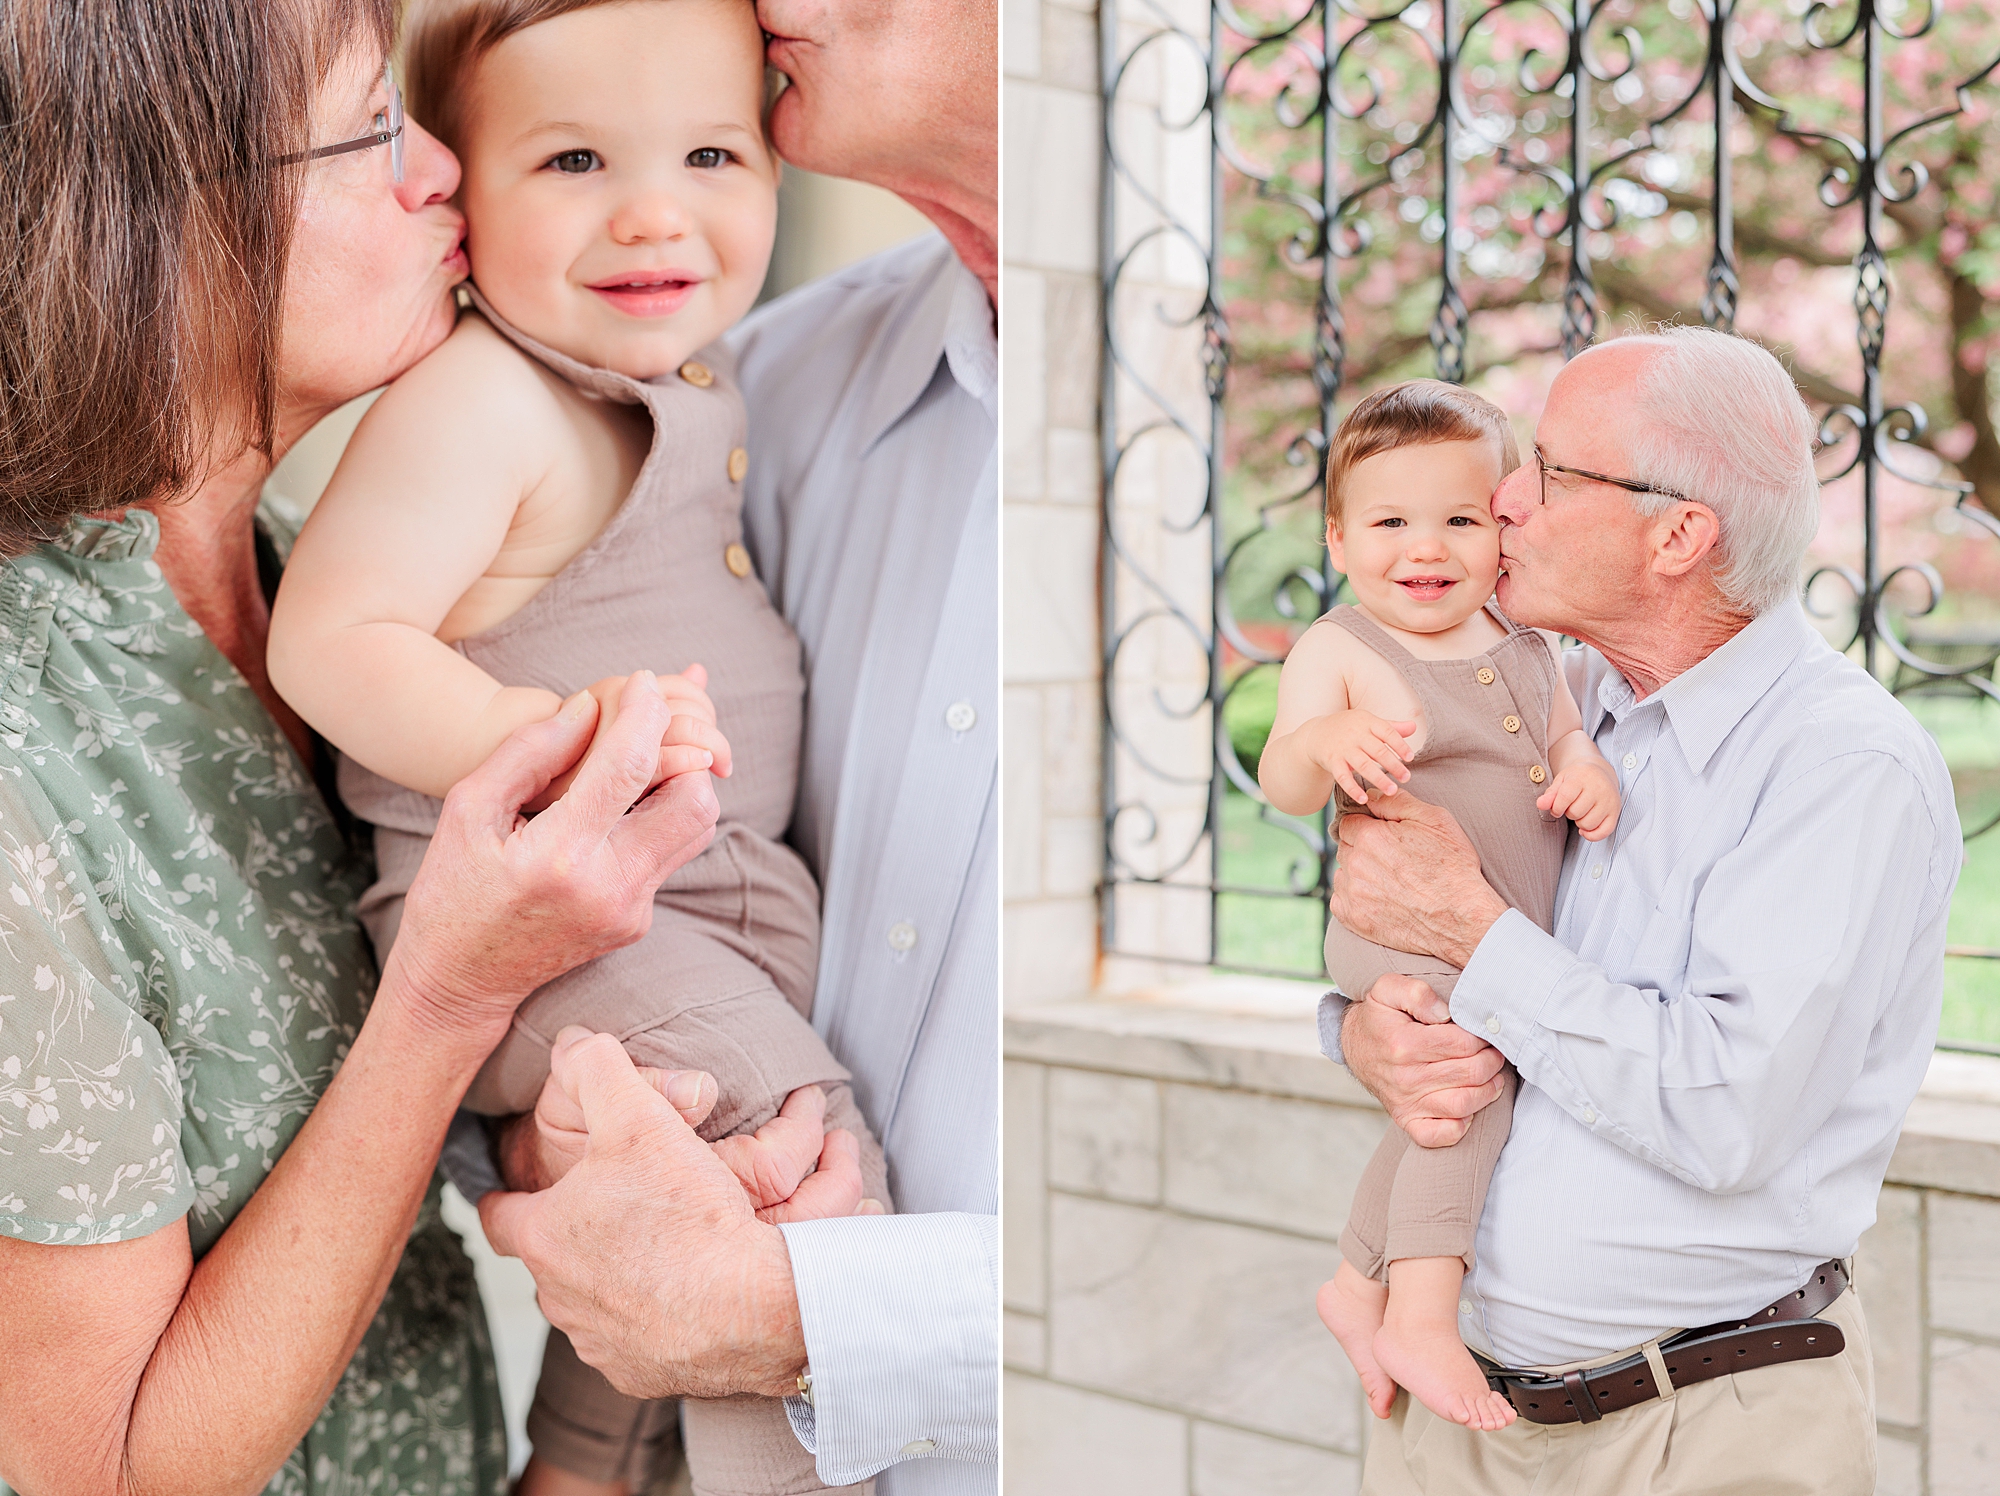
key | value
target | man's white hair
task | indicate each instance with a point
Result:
(1720, 421)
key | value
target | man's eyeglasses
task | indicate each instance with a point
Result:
(388, 131)
(1543, 467)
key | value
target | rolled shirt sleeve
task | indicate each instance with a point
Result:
(1750, 1011)
(902, 1337)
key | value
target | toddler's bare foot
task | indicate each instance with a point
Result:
(1352, 1307)
(1433, 1363)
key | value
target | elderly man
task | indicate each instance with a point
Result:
(1718, 1043)
(872, 510)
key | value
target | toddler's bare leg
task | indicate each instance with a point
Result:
(1351, 1305)
(744, 1446)
(1433, 1218)
(1419, 1345)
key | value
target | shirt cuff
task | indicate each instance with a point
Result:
(1332, 1008)
(467, 1158)
(901, 1322)
(1506, 984)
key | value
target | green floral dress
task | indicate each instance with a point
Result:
(180, 975)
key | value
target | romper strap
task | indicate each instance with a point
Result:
(1370, 633)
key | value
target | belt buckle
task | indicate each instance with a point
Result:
(1526, 1391)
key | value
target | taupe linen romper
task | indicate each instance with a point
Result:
(724, 980)
(1485, 759)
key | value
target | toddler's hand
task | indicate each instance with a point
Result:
(793, 1169)
(1588, 794)
(692, 742)
(1362, 752)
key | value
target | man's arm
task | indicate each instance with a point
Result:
(1795, 943)
(902, 1337)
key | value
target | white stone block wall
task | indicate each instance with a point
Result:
(1052, 482)
(1178, 1167)
(1049, 487)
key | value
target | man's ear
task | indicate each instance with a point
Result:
(1683, 537)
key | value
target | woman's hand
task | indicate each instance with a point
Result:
(504, 903)
(693, 743)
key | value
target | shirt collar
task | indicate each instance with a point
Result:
(950, 322)
(1705, 702)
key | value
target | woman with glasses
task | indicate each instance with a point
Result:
(221, 1263)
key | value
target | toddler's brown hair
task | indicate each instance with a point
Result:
(1415, 413)
(445, 39)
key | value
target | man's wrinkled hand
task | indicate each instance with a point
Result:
(791, 1168)
(1407, 877)
(540, 1147)
(647, 1253)
(1429, 1074)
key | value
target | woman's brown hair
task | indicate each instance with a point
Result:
(144, 233)
(1415, 413)
(444, 41)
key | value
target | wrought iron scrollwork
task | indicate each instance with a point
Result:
(1336, 59)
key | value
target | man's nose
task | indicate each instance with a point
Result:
(1515, 499)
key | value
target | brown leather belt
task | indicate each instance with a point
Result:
(1784, 1331)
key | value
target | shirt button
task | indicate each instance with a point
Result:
(1589, 1115)
(902, 936)
(1485, 676)
(739, 464)
(1631, 760)
(1512, 724)
(1493, 1024)
(1598, 871)
(736, 559)
(697, 374)
(960, 717)
(1537, 774)
(920, 1446)
(1465, 1306)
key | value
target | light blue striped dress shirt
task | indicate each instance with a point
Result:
(1718, 1043)
(872, 509)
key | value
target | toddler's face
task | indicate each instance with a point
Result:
(1417, 537)
(619, 195)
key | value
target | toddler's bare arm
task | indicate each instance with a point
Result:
(418, 509)
(1319, 739)
(422, 504)
(1583, 785)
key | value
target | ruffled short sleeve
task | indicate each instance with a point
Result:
(90, 1100)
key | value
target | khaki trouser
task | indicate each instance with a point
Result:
(1806, 1428)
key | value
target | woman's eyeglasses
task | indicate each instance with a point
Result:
(388, 131)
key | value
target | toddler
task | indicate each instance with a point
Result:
(550, 500)
(1423, 683)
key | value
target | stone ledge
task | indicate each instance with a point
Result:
(1240, 1033)
(1257, 1035)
